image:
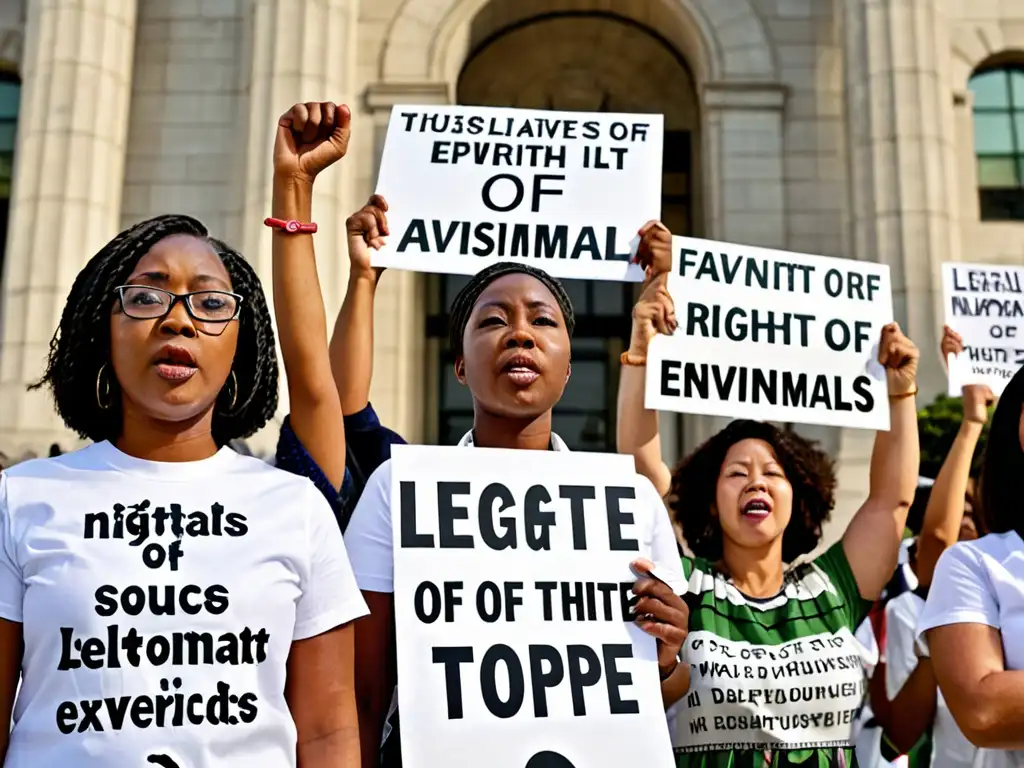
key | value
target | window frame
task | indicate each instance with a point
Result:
(1001, 202)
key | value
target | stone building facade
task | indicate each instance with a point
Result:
(890, 130)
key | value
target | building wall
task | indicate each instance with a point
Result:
(780, 164)
(187, 113)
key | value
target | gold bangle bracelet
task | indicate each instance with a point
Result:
(904, 394)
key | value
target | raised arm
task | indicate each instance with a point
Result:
(945, 511)
(310, 137)
(872, 540)
(352, 342)
(636, 428)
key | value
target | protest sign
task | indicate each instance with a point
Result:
(563, 191)
(984, 305)
(515, 643)
(774, 336)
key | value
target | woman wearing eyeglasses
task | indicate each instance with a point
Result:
(167, 601)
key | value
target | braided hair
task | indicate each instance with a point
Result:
(465, 301)
(81, 345)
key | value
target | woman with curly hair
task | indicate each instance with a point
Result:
(775, 673)
(165, 600)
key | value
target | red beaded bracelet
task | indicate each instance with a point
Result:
(291, 226)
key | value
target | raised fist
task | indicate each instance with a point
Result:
(899, 355)
(654, 253)
(367, 229)
(310, 137)
(653, 313)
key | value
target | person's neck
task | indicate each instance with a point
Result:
(153, 440)
(491, 431)
(756, 572)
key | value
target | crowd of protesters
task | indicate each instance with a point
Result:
(165, 361)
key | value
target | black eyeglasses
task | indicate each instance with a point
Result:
(144, 302)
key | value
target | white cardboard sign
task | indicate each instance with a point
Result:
(773, 336)
(515, 646)
(985, 305)
(563, 191)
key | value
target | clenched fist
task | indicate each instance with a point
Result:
(654, 313)
(311, 137)
(899, 355)
(367, 229)
(654, 253)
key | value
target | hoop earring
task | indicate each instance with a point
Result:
(102, 391)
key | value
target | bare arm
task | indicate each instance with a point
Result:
(945, 511)
(310, 137)
(352, 342)
(985, 699)
(636, 428)
(912, 712)
(375, 673)
(872, 540)
(321, 697)
(10, 672)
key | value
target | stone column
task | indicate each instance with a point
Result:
(400, 368)
(902, 159)
(301, 51)
(902, 184)
(66, 198)
(743, 172)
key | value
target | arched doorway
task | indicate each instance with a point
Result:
(576, 61)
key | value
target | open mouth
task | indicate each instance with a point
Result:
(757, 509)
(175, 364)
(521, 369)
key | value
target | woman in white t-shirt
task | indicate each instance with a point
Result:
(167, 601)
(510, 331)
(972, 624)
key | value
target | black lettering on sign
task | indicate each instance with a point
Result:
(538, 521)
(577, 494)
(496, 492)
(407, 528)
(448, 513)
(489, 681)
(617, 518)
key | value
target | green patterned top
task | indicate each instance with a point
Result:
(776, 681)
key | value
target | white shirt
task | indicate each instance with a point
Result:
(950, 748)
(369, 537)
(982, 582)
(159, 602)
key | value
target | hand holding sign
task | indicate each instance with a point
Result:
(952, 343)
(899, 355)
(654, 253)
(311, 137)
(661, 613)
(978, 398)
(654, 313)
(367, 229)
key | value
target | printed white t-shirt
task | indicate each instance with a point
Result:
(982, 582)
(370, 541)
(950, 748)
(159, 602)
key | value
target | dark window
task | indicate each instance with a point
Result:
(10, 95)
(999, 142)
